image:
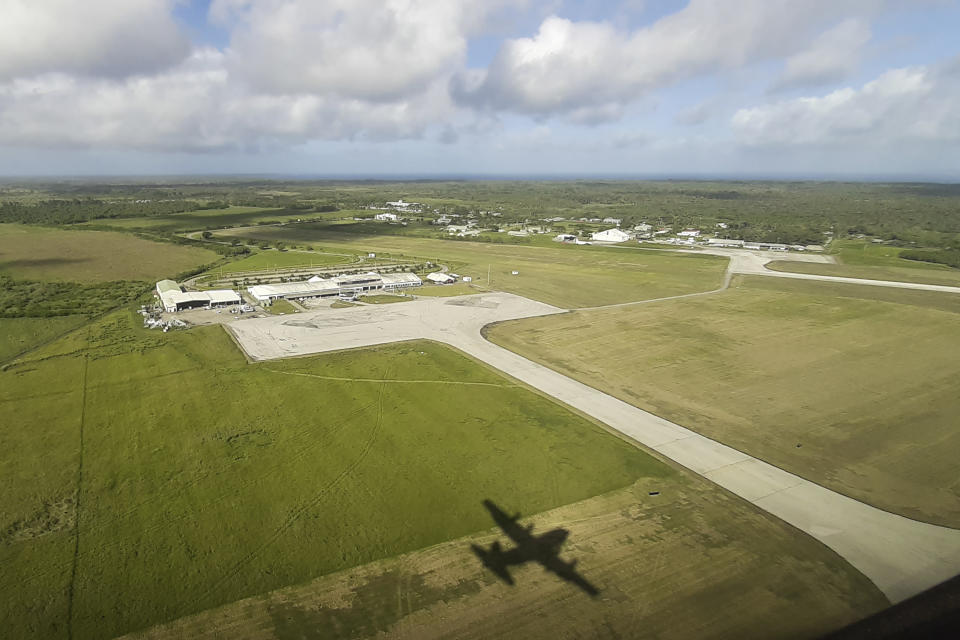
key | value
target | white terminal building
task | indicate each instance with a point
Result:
(317, 287)
(174, 299)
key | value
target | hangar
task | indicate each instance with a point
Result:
(174, 299)
(440, 278)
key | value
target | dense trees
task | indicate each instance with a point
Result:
(73, 211)
(949, 257)
(28, 298)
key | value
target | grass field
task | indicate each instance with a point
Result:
(20, 334)
(852, 387)
(281, 307)
(273, 259)
(447, 290)
(864, 259)
(176, 477)
(385, 299)
(198, 220)
(562, 275)
(41, 253)
(692, 562)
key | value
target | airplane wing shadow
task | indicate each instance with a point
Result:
(544, 549)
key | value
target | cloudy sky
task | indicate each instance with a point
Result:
(373, 87)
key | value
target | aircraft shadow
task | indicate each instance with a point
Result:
(544, 549)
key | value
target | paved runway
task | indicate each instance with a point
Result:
(901, 556)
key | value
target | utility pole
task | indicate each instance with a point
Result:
(488, 276)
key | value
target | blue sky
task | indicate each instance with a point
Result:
(388, 87)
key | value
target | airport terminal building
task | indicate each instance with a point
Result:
(346, 285)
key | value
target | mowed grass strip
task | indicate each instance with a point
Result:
(42, 253)
(279, 259)
(562, 275)
(848, 386)
(206, 479)
(690, 562)
(865, 259)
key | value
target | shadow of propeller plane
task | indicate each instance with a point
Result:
(543, 549)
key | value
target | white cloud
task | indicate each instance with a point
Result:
(196, 107)
(369, 49)
(570, 65)
(96, 37)
(832, 57)
(912, 105)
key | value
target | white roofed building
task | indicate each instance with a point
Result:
(610, 235)
(440, 278)
(173, 299)
(395, 281)
(724, 242)
(317, 287)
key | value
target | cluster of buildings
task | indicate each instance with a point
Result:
(344, 286)
(173, 298)
(401, 205)
(689, 237)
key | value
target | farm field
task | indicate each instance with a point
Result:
(188, 478)
(273, 259)
(43, 253)
(20, 334)
(198, 220)
(565, 276)
(863, 259)
(848, 386)
(691, 562)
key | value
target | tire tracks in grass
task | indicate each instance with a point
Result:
(295, 515)
(76, 520)
(156, 494)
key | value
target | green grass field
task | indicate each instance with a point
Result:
(689, 563)
(42, 253)
(385, 299)
(273, 259)
(865, 259)
(562, 275)
(446, 290)
(21, 334)
(280, 307)
(198, 220)
(188, 478)
(852, 387)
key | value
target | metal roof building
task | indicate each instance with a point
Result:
(394, 281)
(319, 288)
(315, 289)
(173, 299)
